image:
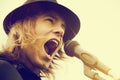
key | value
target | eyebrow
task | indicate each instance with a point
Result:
(53, 16)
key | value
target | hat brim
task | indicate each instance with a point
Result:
(28, 10)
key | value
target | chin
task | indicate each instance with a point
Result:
(42, 64)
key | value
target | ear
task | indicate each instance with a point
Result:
(16, 51)
(16, 37)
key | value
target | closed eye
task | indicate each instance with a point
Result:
(50, 19)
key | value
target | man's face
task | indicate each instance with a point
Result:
(51, 29)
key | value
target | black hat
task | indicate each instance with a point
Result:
(32, 7)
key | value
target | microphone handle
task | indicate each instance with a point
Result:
(91, 74)
(91, 60)
(100, 66)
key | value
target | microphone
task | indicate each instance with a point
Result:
(72, 48)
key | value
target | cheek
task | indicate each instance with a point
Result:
(30, 51)
(35, 55)
(33, 50)
(42, 28)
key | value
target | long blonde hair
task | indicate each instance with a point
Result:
(22, 33)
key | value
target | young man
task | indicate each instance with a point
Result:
(36, 33)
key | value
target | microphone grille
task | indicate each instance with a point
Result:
(69, 47)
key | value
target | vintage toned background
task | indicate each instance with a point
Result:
(99, 34)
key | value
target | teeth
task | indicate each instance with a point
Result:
(55, 41)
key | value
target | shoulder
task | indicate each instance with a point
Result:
(3, 62)
(3, 57)
(5, 67)
(8, 71)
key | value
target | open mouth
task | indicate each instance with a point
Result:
(50, 46)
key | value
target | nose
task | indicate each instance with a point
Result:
(59, 31)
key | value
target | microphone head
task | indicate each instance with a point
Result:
(69, 47)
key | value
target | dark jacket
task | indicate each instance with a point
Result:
(11, 71)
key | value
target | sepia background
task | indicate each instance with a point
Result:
(99, 34)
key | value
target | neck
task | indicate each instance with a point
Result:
(25, 61)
